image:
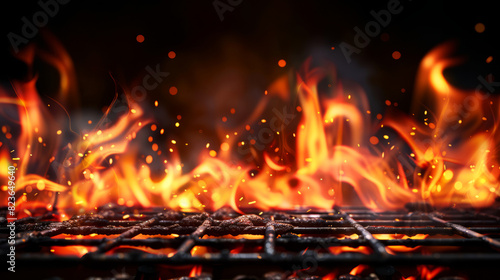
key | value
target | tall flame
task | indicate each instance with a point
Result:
(435, 154)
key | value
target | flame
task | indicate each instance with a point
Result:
(330, 276)
(75, 250)
(199, 251)
(434, 154)
(236, 250)
(70, 250)
(401, 249)
(359, 269)
(345, 249)
(427, 272)
(163, 251)
(196, 271)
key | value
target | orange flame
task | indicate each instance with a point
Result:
(196, 271)
(391, 249)
(344, 249)
(359, 269)
(70, 250)
(439, 156)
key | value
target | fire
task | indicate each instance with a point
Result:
(196, 271)
(359, 269)
(75, 250)
(70, 250)
(346, 249)
(124, 248)
(436, 154)
(427, 272)
(393, 249)
(330, 276)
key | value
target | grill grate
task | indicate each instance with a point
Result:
(455, 237)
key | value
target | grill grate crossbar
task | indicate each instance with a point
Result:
(280, 237)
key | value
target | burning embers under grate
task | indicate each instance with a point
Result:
(155, 243)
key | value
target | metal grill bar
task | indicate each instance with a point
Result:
(157, 243)
(257, 258)
(281, 238)
(467, 232)
(190, 243)
(296, 222)
(260, 230)
(135, 230)
(270, 239)
(374, 243)
(29, 237)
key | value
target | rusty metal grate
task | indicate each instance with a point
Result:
(286, 238)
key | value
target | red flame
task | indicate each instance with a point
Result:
(427, 273)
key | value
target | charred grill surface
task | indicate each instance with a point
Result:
(284, 239)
